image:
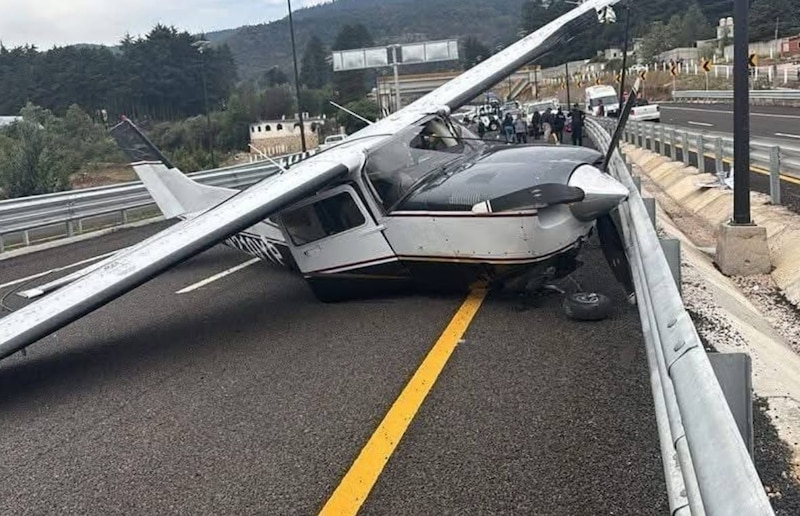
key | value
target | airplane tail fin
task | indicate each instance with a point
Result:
(174, 193)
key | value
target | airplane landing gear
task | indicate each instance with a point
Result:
(587, 306)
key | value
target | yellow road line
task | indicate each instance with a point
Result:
(364, 472)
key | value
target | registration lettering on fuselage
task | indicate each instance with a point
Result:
(257, 246)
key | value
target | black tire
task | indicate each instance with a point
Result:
(493, 126)
(587, 306)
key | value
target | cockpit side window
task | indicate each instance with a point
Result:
(321, 219)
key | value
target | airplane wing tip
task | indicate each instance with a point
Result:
(31, 293)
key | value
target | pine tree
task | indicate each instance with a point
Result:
(315, 72)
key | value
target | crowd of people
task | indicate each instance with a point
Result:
(548, 126)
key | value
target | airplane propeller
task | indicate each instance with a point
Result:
(608, 225)
(531, 198)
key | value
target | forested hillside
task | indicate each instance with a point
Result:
(257, 48)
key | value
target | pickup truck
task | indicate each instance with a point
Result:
(332, 141)
(643, 111)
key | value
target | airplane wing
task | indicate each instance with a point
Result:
(142, 262)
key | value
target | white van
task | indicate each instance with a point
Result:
(607, 94)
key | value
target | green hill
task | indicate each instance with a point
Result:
(257, 48)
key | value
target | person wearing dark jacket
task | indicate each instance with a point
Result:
(536, 120)
(559, 121)
(577, 125)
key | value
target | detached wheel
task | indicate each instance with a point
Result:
(587, 306)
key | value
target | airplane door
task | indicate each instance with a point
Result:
(334, 232)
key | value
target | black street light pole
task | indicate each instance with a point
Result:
(566, 81)
(624, 55)
(741, 116)
(297, 80)
(201, 46)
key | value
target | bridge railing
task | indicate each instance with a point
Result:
(63, 214)
(682, 144)
(707, 465)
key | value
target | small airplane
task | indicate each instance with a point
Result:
(412, 200)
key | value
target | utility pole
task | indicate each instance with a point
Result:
(566, 81)
(625, 55)
(201, 45)
(395, 64)
(741, 115)
(297, 81)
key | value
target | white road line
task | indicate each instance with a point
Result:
(57, 269)
(788, 135)
(797, 117)
(215, 277)
(700, 123)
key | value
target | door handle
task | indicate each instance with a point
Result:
(312, 251)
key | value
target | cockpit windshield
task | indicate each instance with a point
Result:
(413, 153)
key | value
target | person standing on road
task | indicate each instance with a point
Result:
(547, 124)
(508, 128)
(536, 120)
(521, 129)
(559, 121)
(481, 128)
(577, 125)
(601, 109)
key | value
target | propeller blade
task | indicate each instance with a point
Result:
(531, 198)
(614, 249)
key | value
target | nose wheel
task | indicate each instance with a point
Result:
(587, 306)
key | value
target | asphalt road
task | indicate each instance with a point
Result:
(778, 123)
(248, 396)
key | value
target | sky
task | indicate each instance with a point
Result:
(46, 23)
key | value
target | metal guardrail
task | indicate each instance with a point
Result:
(707, 466)
(776, 95)
(766, 157)
(71, 208)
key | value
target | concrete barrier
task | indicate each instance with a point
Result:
(715, 206)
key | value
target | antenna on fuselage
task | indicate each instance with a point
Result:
(264, 155)
(370, 122)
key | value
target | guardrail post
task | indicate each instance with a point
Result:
(124, 217)
(734, 374)
(718, 154)
(26, 238)
(673, 153)
(2, 244)
(70, 228)
(701, 160)
(775, 174)
(650, 206)
(672, 251)
(638, 182)
(640, 130)
(685, 150)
